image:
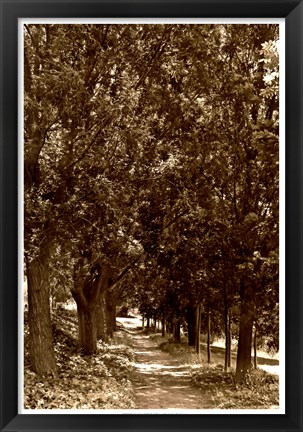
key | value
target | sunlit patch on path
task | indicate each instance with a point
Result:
(160, 382)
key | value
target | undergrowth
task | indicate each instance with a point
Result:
(101, 381)
(260, 390)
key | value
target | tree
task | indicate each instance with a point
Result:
(250, 184)
(123, 162)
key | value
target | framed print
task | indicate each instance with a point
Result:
(151, 241)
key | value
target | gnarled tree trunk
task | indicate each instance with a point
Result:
(87, 291)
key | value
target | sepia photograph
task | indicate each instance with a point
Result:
(153, 205)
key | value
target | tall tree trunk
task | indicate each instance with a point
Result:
(255, 349)
(208, 338)
(191, 325)
(41, 348)
(169, 327)
(163, 324)
(198, 329)
(176, 330)
(158, 325)
(245, 330)
(227, 341)
(229, 338)
(155, 324)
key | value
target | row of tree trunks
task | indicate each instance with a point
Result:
(96, 315)
(96, 312)
(158, 324)
(194, 329)
(106, 316)
(96, 323)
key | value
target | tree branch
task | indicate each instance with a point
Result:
(86, 149)
(124, 271)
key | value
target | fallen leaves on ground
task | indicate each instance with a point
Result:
(85, 382)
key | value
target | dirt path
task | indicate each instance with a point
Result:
(159, 381)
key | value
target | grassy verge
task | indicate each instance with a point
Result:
(101, 381)
(259, 391)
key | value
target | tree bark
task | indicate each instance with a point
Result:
(169, 327)
(163, 324)
(198, 329)
(155, 324)
(41, 348)
(229, 338)
(227, 341)
(87, 329)
(191, 325)
(87, 292)
(208, 338)
(176, 330)
(110, 308)
(255, 350)
(245, 331)
(100, 318)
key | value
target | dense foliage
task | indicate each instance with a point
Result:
(151, 159)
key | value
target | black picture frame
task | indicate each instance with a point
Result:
(292, 11)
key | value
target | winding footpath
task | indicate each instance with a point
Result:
(159, 381)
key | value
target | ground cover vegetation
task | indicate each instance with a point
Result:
(258, 390)
(151, 162)
(101, 381)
